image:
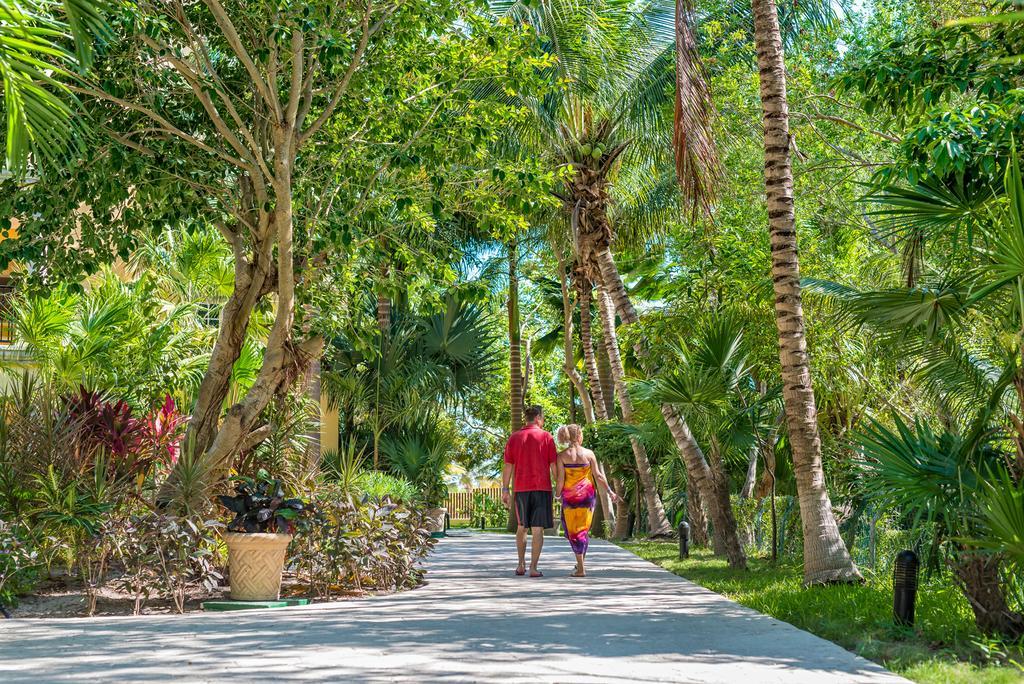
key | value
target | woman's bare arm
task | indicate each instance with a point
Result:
(560, 468)
(599, 476)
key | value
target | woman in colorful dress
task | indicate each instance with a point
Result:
(577, 469)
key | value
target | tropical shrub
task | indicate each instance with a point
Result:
(347, 544)
(485, 507)
(20, 564)
(165, 555)
(382, 488)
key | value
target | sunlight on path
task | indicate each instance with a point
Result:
(473, 622)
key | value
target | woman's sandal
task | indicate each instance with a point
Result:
(520, 572)
(576, 573)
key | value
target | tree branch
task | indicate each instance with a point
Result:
(228, 29)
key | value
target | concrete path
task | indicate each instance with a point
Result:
(473, 622)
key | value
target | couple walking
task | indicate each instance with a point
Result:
(533, 464)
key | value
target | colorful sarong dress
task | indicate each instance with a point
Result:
(578, 498)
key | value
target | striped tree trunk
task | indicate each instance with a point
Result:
(826, 558)
(695, 514)
(589, 357)
(515, 342)
(569, 357)
(657, 521)
(713, 485)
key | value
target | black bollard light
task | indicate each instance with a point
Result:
(904, 587)
(483, 521)
(447, 522)
(684, 539)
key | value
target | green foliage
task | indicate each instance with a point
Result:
(489, 509)
(118, 337)
(21, 564)
(381, 487)
(349, 545)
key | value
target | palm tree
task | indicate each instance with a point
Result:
(35, 63)
(932, 324)
(515, 339)
(707, 379)
(426, 361)
(826, 558)
(615, 63)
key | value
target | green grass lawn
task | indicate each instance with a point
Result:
(942, 648)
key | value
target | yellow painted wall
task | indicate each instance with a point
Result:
(328, 427)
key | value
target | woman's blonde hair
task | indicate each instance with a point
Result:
(569, 434)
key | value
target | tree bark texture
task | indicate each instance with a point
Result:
(657, 521)
(713, 488)
(589, 357)
(826, 558)
(980, 581)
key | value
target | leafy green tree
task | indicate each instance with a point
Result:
(255, 116)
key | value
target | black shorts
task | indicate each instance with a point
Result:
(534, 509)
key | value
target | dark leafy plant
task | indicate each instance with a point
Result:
(260, 505)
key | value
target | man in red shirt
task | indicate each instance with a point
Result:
(530, 455)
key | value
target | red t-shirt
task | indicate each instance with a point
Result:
(532, 451)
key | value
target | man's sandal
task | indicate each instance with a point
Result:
(538, 573)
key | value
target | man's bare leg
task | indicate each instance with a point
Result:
(521, 548)
(535, 547)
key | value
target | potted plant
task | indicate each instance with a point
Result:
(435, 496)
(258, 537)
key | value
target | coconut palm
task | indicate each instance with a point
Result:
(826, 558)
(614, 66)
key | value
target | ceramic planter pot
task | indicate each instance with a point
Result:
(256, 561)
(435, 521)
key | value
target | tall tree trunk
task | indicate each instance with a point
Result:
(514, 358)
(713, 488)
(826, 558)
(621, 528)
(589, 359)
(750, 481)
(312, 385)
(569, 358)
(383, 313)
(604, 376)
(514, 341)
(657, 521)
(613, 285)
(979, 579)
(695, 514)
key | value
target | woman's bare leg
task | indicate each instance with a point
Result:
(581, 571)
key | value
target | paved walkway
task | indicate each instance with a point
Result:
(473, 622)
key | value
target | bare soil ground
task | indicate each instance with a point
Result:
(63, 598)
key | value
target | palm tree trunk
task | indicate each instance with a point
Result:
(713, 488)
(979, 578)
(614, 287)
(383, 313)
(695, 514)
(826, 558)
(621, 528)
(569, 358)
(515, 341)
(604, 376)
(589, 360)
(657, 521)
